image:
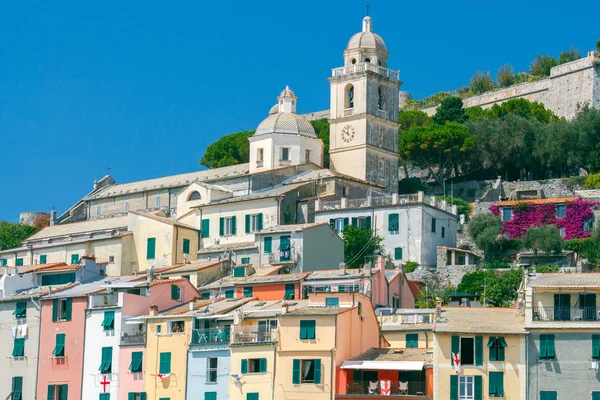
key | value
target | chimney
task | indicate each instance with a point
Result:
(14, 271)
(150, 274)
(52, 217)
(438, 309)
(284, 308)
(381, 262)
(343, 268)
(153, 311)
(192, 304)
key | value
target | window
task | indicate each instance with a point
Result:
(151, 249)
(260, 155)
(254, 365)
(548, 395)
(195, 195)
(285, 248)
(59, 347)
(20, 309)
(43, 259)
(136, 396)
(398, 253)
(285, 154)
(267, 325)
(247, 291)
(3, 262)
(307, 156)
(496, 346)
(106, 364)
(349, 97)
(443, 232)
(239, 272)
(367, 60)
(165, 363)
(186, 246)
(307, 329)
(205, 229)
(381, 96)
(97, 210)
(136, 362)
(394, 223)
(252, 396)
(17, 388)
(157, 202)
(588, 224)
(466, 388)
(332, 302)
(496, 384)
(306, 371)
(290, 292)
(227, 226)
(412, 340)
(547, 347)
(108, 323)
(175, 293)
(18, 348)
(58, 392)
(561, 232)
(210, 395)
(595, 395)
(58, 279)
(176, 327)
(254, 222)
(506, 213)
(561, 211)
(229, 294)
(19, 262)
(433, 222)
(211, 370)
(339, 224)
(596, 348)
(126, 205)
(467, 351)
(61, 309)
(268, 245)
(158, 329)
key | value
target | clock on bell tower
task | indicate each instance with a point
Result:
(364, 112)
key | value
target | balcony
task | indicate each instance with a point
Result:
(348, 112)
(252, 335)
(104, 300)
(385, 200)
(564, 314)
(356, 68)
(132, 339)
(411, 389)
(211, 336)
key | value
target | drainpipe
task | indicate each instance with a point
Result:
(275, 365)
(176, 243)
(331, 352)
(83, 347)
(37, 376)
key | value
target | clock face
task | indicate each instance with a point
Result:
(347, 133)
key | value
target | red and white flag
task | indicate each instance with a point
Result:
(456, 360)
(386, 387)
(163, 376)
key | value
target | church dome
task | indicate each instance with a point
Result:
(366, 38)
(274, 109)
(283, 118)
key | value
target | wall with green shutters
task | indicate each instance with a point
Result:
(164, 363)
(186, 246)
(150, 248)
(205, 228)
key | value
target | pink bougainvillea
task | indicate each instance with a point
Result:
(525, 215)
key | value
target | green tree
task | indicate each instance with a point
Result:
(427, 296)
(505, 75)
(542, 65)
(598, 45)
(475, 113)
(462, 206)
(592, 181)
(586, 138)
(501, 291)
(545, 238)
(569, 55)
(522, 108)
(11, 234)
(450, 110)
(546, 268)
(322, 131)
(359, 243)
(408, 119)
(484, 230)
(437, 148)
(229, 150)
(481, 82)
(475, 281)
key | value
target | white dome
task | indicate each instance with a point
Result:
(366, 38)
(286, 122)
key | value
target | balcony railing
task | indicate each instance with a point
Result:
(252, 334)
(394, 199)
(397, 389)
(348, 112)
(565, 314)
(130, 339)
(355, 68)
(200, 336)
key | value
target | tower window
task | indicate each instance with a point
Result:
(367, 60)
(307, 156)
(379, 63)
(381, 93)
(353, 61)
(349, 98)
(285, 154)
(260, 155)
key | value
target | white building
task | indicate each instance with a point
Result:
(411, 226)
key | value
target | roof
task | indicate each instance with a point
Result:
(480, 320)
(391, 274)
(286, 123)
(264, 309)
(566, 280)
(392, 354)
(83, 289)
(324, 173)
(415, 287)
(366, 38)
(35, 292)
(261, 275)
(291, 227)
(318, 311)
(170, 181)
(189, 267)
(54, 267)
(228, 246)
(74, 228)
(274, 191)
(588, 194)
(535, 201)
(164, 220)
(328, 274)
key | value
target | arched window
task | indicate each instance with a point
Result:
(195, 195)
(353, 61)
(381, 102)
(367, 60)
(349, 98)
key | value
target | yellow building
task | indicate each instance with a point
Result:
(408, 328)
(490, 343)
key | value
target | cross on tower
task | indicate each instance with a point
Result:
(367, 9)
(108, 168)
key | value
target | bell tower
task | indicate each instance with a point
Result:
(364, 111)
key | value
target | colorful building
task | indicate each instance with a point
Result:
(407, 328)
(491, 346)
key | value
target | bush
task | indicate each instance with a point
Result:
(546, 268)
(570, 55)
(463, 207)
(592, 181)
(575, 182)
(505, 75)
(481, 82)
(410, 266)
(410, 185)
(542, 65)
(495, 264)
(598, 45)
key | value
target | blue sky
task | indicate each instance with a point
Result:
(146, 86)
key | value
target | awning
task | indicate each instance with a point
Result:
(384, 365)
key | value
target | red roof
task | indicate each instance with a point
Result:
(415, 287)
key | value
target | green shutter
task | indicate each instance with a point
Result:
(186, 246)
(20, 309)
(221, 226)
(478, 387)
(290, 291)
(368, 222)
(547, 346)
(398, 253)
(108, 323)
(595, 395)
(393, 224)
(332, 223)
(546, 395)
(244, 366)
(74, 258)
(247, 291)
(104, 396)
(412, 340)
(151, 249)
(248, 223)
(346, 222)
(234, 225)
(68, 309)
(43, 259)
(106, 363)
(478, 350)
(136, 361)
(268, 246)
(260, 221)
(354, 221)
(17, 387)
(455, 347)
(54, 310)
(65, 392)
(596, 347)
(317, 365)
(50, 395)
(165, 363)
(229, 294)
(262, 365)
(308, 329)
(18, 347)
(245, 260)
(175, 293)
(19, 262)
(59, 347)
(210, 395)
(296, 372)
(252, 396)
(453, 387)
(130, 396)
(239, 272)
(205, 229)
(496, 384)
